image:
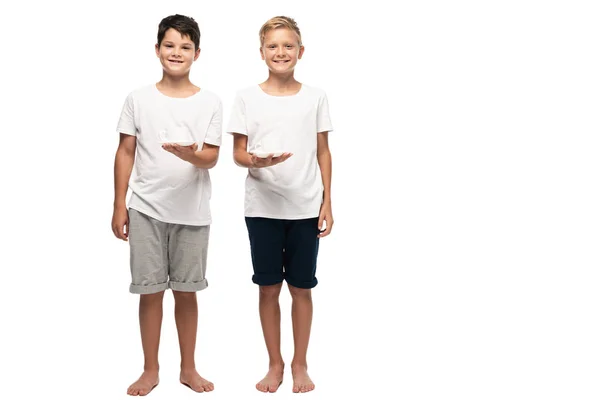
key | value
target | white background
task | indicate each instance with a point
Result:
(464, 259)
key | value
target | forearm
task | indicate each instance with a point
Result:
(206, 158)
(242, 158)
(325, 165)
(123, 167)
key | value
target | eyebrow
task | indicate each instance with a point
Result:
(184, 44)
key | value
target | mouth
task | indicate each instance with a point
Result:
(281, 61)
(176, 61)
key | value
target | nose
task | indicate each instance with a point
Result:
(280, 52)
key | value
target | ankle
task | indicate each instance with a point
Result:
(151, 368)
(299, 364)
(276, 364)
(188, 368)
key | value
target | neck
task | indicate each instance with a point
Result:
(179, 82)
(281, 82)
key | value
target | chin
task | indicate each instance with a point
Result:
(281, 70)
(176, 73)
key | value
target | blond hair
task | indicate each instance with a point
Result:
(279, 22)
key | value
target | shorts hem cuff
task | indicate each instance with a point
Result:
(188, 286)
(148, 289)
(302, 284)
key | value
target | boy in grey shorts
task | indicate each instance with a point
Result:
(170, 133)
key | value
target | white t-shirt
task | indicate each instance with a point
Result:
(164, 186)
(294, 188)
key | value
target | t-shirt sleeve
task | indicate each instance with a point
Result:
(323, 119)
(237, 119)
(127, 120)
(215, 128)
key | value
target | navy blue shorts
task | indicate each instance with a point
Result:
(284, 249)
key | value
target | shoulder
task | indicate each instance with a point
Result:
(210, 95)
(313, 91)
(141, 92)
(247, 92)
(144, 90)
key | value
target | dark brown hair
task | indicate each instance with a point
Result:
(187, 26)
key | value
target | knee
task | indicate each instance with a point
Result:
(270, 292)
(184, 297)
(299, 294)
(152, 298)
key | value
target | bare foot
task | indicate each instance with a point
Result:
(302, 382)
(194, 381)
(272, 380)
(144, 385)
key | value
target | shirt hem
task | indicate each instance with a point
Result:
(171, 221)
(275, 216)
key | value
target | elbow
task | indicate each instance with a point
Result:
(237, 159)
(211, 163)
(324, 154)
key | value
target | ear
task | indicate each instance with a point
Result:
(262, 54)
(300, 52)
(197, 54)
(156, 48)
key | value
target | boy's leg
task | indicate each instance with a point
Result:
(270, 320)
(302, 310)
(300, 258)
(188, 249)
(150, 323)
(149, 279)
(266, 244)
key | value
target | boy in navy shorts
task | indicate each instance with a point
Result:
(280, 130)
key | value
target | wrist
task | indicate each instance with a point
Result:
(251, 162)
(191, 157)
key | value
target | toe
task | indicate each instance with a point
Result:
(296, 389)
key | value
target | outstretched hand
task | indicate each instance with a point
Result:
(183, 152)
(269, 161)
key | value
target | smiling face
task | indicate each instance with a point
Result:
(281, 50)
(176, 53)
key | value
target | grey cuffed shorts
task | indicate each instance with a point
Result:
(164, 255)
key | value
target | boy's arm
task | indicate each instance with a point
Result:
(325, 165)
(248, 160)
(123, 166)
(206, 158)
(240, 151)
